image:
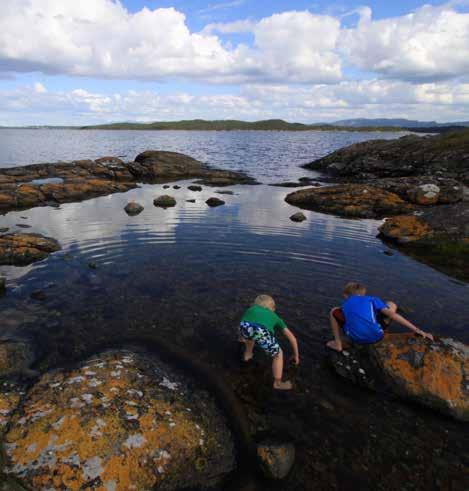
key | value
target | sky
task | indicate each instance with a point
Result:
(98, 61)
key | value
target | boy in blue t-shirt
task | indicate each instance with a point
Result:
(363, 318)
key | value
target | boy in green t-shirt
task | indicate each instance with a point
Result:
(257, 327)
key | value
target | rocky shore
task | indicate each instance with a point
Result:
(51, 184)
(417, 183)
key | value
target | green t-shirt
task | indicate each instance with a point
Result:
(261, 315)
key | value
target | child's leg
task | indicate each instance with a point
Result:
(336, 344)
(277, 370)
(248, 351)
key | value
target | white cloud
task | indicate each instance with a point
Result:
(371, 98)
(100, 38)
(429, 44)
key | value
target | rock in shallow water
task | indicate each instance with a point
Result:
(298, 217)
(405, 228)
(433, 374)
(23, 249)
(164, 201)
(213, 202)
(276, 459)
(121, 421)
(133, 208)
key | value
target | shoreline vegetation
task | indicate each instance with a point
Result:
(237, 125)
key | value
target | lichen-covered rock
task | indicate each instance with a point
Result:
(10, 396)
(350, 200)
(434, 374)
(425, 194)
(133, 208)
(405, 228)
(164, 201)
(213, 202)
(22, 249)
(276, 459)
(44, 184)
(120, 421)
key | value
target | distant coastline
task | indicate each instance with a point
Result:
(265, 125)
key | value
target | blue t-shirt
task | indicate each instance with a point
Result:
(361, 324)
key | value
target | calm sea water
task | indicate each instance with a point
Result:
(187, 274)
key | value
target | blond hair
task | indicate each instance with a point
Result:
(354, 288)
(265, 301)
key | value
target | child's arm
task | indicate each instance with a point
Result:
(294, 345)
(404, 322)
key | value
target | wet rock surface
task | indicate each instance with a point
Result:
(298, 217)
(21, 249)
(15, 356)
(350, 200)
(133, 208)
(411, 155)
(432, 374)
(405, 228)
(164, 201)
(120, 421)
(276, 459)
(46, 184)
(214, 202)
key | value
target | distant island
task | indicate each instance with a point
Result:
(270, 125)
(232, 125)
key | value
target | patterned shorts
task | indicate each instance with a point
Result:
(261, 336)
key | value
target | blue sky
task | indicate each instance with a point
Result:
(100, 60)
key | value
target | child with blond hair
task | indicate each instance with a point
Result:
(363, 318)
(258, 328)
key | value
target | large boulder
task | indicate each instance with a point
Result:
(350, 200)
(434, 374)
(446, 154)
(120, 421)
(22, 249)
(164, 201)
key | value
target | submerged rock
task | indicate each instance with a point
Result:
(15, 357)
(298, 217)
(212, 202)
(164, 201)
(349, 200)
(276, 459)
(433, 374)
(22, 249)
(133, 208)
(121, 421)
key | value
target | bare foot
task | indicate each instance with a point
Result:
(333, 345)
(248, 356)
(279, 385)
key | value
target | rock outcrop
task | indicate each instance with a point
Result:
(443, 155)
(121, 421)
(45, 184)
(22, 249)
(434, 374)
(276, 459)
(350, 200)
(405, 228)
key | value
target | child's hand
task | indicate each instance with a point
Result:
(295, 359)
(425, 335)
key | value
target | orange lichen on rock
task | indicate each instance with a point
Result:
(350, 200)
(23, 249)
(405, 228)
(9, 400)
(436, 374)
(119, 422)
